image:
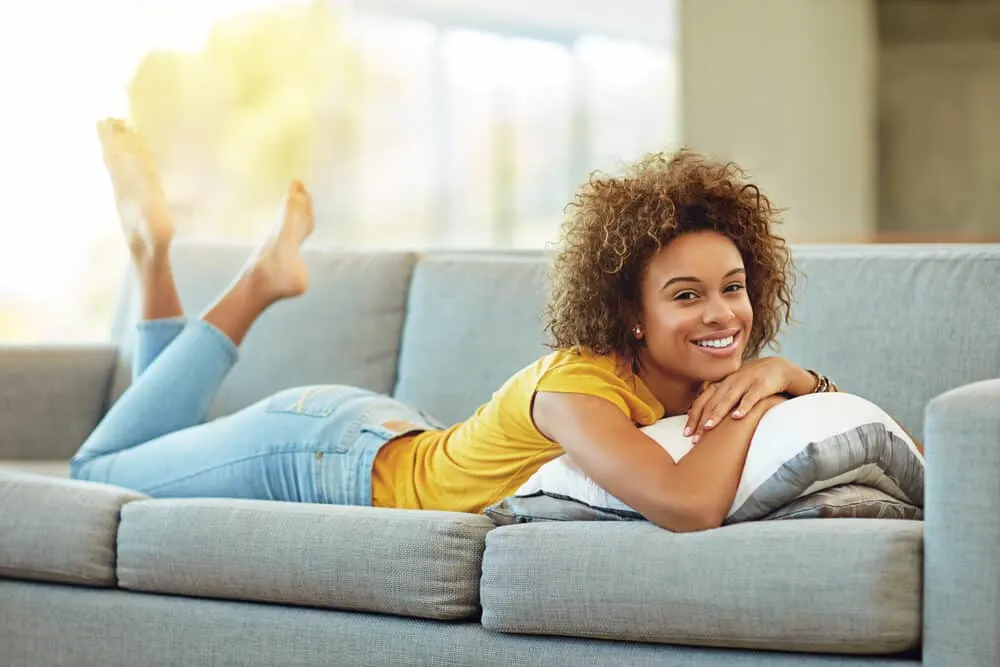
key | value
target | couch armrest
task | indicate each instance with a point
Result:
(962, 527)
(51, 397)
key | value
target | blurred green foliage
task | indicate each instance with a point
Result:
(269, 94)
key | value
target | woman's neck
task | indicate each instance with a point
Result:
(675, 394)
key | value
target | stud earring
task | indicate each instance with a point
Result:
(637, 332)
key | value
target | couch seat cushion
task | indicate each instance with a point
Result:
(817, 585)
(406, 562)
(59, 530)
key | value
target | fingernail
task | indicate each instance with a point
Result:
(695, 439)
(737, 414)
(709, 424)
(687, 430)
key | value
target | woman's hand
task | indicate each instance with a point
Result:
(736, 394)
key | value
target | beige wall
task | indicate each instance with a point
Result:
(939, 125)
(787, 88)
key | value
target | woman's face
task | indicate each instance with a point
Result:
(696, 315)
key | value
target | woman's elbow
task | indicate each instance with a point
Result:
(695, 523)
(689, 517)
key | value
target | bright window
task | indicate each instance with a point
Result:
(416, 124)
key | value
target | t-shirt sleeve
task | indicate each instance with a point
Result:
(588, 378)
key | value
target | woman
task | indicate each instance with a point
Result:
(668, 285)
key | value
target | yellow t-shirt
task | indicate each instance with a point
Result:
(473, 464)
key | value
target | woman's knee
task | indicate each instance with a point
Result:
(78, 468)
(83, 468)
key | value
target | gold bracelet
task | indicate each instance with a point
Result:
(823, 383)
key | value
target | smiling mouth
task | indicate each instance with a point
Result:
(720, 346)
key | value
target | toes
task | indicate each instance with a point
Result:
(298, 197)
(111, 130)
(106, 130)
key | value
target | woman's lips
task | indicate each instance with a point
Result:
(710, 345)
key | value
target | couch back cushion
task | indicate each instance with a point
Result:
(895, 324)
(345, 330)
(471, 322)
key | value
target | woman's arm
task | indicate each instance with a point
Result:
(693, 494)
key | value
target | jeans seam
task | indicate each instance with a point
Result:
(163, 323)
(223, 341)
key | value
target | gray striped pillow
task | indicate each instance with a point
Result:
(801, 447)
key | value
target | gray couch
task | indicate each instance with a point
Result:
(98, 575)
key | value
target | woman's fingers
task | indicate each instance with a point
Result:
(694, 414)
(721, 404)
(753, 396)
(733, 397)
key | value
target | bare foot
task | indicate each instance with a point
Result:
(275, 271)
(142, 207)
(277, 267)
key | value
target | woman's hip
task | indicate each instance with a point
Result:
(348, 426)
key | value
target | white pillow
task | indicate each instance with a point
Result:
(801, 446)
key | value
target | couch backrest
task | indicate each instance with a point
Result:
(896, 324)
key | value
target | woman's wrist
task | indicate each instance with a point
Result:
(803, 381)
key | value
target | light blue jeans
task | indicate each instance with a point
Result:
(309, 444)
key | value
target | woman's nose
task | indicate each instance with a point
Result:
(717, 311)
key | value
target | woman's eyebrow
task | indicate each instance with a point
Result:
(692, 279)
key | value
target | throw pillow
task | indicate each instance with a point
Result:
(848, 501)
(542, 506)
(800, 447)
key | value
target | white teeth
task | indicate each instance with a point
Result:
(719, 342)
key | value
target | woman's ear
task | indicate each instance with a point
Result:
(636, 328)
(634, 320)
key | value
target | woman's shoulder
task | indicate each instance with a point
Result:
(609, 376)
(583, 360)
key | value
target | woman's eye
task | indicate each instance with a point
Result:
(735, 287)
(685, 296)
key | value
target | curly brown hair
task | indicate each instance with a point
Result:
(616, 224)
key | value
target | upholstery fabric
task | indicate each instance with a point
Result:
(51, 397)
(122, 629)
(59, 529)
(471, 322)
(413, 563)
(815, 585)
(961, 573)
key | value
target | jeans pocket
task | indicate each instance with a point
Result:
(431, 421)
(395, 428)
(316, 401)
